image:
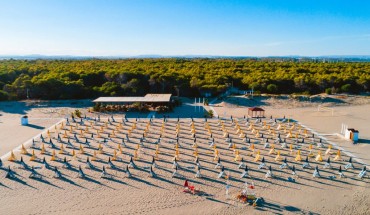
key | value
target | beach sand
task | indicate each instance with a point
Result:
(142, 194)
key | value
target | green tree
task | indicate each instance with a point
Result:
(346, 88)
(272, 88)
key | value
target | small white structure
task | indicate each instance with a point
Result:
(349, 133)
(24, 120)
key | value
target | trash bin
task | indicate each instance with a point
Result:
(24, 120)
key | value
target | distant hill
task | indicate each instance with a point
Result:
(329, 58)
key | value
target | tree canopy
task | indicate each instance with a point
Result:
(76, 79)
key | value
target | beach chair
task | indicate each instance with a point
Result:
(158, 141)
(262, 164)
(81, 174)
(34, 174)
(175, 174)
(23, 164)
(284, 164)
(293, 171)
(306, 164)
(267, 143)
(241, 164)
(52, 145)
(46, 164)
(10, 174)
(222, 173)
(316, 173)
(211, 143)
(327, 164)
(245, 173)
(87, 142)
(197, 162)
(269, 173)
(153, 163)
(349, 165)
(218, 165)
(128, 173)
(320, 144)
(110, 164)
(198, 174)
(33, 145)
(363, 173)
(245, 140)
(131, 164)
(195, 145)
(284, 144)
(42, 138)
(69, 143)
(123, 142)
(57, 173)
(76, 138)
(340, 173)
(59, 139)
(175, 165)
(104, 174)
(89, 165)
(152, 173)
(66, 164)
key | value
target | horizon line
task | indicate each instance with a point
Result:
(46, 56)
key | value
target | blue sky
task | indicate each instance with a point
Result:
(185, 27)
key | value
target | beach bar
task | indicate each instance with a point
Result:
(148, 99)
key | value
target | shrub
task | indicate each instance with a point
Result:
(257, 93)
(78, 113)
(346, 88)
(143, 108)
(124, 108)
(328, 91)
(162, 109)
(97, 107)
(206, 102)
(272, 88)
(209, 114)
(135, 106)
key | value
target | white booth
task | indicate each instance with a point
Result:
(351, 134)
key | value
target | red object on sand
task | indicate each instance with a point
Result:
(186, 184)
(188, 188)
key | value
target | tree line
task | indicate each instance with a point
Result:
(77, 79)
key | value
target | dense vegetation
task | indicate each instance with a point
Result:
(75, 79)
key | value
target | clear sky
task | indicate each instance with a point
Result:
(185, 27)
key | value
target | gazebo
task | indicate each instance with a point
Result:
(256, 112)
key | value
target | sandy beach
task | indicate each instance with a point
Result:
(142, 194)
